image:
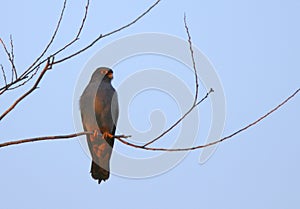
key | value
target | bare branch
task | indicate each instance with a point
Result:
(14, 70)
(84, 18)
(47, 67)
(22, 141)
(122, 137)
(51, 39)
(10, 56)
(34, 67)
(79, 31)
(179, 120)
(3, 74)
(46, 138)
(215, 142)
(196, 90)
(107, 34)
(193, 59)
(8, 85)
(27, 79)
(5, 48)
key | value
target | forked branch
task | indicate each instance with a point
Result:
(107, 34)
(217, 141)
(195, 103)
(43, 58)
(34, 87)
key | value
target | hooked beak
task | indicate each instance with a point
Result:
(110, 75)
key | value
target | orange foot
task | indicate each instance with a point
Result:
(96, 133)
(106, 135)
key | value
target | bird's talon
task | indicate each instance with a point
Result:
(106, 135)
(96, 133)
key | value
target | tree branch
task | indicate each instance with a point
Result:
(14, 70)
(47, 138)
(28, 79)
(122, 137)
(193, 59)
(10, 56)
(47, 67)
(31, 71)
(195, 103)
(3, 74)
(26, 73)
(107, 34)
(179, 120)
(51, 39)
(79, 31)
(215, 142)
(44, 138)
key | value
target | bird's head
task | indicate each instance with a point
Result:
(103, 73)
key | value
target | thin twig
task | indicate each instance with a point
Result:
(27, 79)
(107, 34)
(34, 67)
(47, 67)
(79, 31)
(196, 90)
(14, 70)
(5, 49)
(10, 56)
(193, 60)
(51, 39)
(178, 121)
(8, 85)
(3, 74)
(84, 18)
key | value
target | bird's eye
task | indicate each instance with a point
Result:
(103, 72)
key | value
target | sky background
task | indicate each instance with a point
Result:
(254, 46)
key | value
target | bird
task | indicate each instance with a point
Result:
(99, 114)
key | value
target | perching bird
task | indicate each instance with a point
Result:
(99, 114)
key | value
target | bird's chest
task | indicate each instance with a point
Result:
(103, 106)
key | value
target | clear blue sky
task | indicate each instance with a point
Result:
(254, 46)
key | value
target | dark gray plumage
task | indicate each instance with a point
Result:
(99, 113)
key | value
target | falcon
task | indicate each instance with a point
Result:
(99, 114)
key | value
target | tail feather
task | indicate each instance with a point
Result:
(99, 173)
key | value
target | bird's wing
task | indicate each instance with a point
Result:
(115, 111)
(86, 107)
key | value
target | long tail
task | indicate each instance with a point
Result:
(101, 151)
(99, 173)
